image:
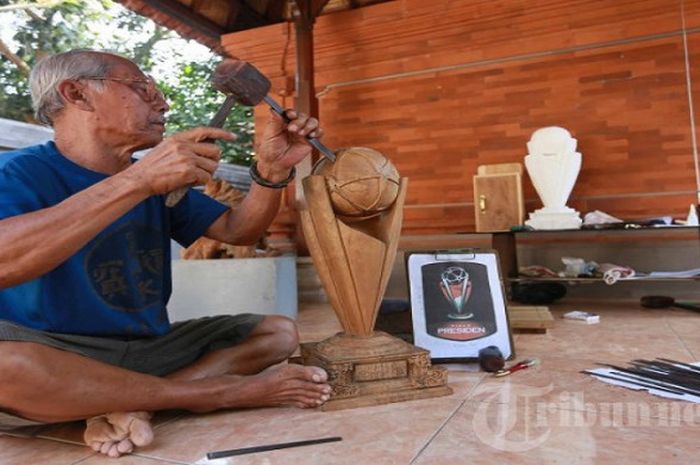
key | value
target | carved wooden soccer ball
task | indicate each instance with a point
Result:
(361, 182)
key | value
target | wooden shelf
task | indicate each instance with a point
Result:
(506, 243)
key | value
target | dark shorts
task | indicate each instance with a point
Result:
(183, 345)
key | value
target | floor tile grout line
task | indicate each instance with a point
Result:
(171, 420)
(93, 453)
(468, 400)
(680, 339)
(442, 426)
(439, 429)
(64, 441)
(84, 459)
(162, 459)
(147, 457)
(90, 453)
(557, 408)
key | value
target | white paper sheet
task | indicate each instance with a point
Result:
(675, 274)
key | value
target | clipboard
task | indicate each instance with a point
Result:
(457, 303)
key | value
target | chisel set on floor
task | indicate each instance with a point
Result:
(661, 374)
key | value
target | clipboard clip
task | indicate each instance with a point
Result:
(445, 255)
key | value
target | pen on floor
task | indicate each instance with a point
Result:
(517, 367)
(252, 450)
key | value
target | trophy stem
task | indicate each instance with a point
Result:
(353, 261)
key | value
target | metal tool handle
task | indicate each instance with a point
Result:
(174, 197)
(315, 143)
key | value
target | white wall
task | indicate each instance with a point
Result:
(228, 287)
(15, 134)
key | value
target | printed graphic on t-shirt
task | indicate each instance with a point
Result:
(126, 267)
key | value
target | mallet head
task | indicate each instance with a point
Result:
(241, 80)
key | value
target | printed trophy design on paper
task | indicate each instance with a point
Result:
(456, 287)
(457, 301)
(352, 224)
(553, 165)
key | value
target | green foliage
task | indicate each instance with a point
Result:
(14, 97)
(42, 32)
(73, 24)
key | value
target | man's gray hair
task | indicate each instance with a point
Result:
(50, 71)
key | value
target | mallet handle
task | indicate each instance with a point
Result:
(174, 197)
(315, 143)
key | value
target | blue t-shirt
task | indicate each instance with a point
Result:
(119, 283)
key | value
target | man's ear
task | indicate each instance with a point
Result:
(74, 93)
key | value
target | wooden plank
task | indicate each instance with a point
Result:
(530, 318)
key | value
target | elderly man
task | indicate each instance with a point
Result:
(85, 263)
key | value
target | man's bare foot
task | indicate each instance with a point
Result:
(291, 384)
(117, 433)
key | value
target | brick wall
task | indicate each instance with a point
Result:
(443, 86)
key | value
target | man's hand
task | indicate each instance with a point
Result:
(186, 158)
(284, 144)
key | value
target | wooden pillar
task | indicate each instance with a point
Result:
(306, 101)
(305, 87)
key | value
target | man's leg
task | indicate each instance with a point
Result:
(50, 385)
(272, 341)
(46, 384)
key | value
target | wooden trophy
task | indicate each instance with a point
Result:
(352, 225)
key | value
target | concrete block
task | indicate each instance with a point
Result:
(231, 286)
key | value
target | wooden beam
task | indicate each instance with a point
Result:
(233, 12)
(248, 18)
(259, 6)
(308, 9)
(273, 10)
(361, 3)
(277, 10)
(189, 18)
(317, 6)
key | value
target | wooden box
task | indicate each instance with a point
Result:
(498, 197)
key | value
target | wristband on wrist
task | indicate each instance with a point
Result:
(255, 175)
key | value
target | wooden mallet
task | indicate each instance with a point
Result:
(243, 83)
(248, 86)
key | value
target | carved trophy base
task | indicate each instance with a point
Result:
(378, 369)
(560, 218)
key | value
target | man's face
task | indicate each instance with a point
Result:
(129, 111)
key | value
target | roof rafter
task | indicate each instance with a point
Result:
(186, 16)
(207, 20)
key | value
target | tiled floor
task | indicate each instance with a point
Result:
(549, 414)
